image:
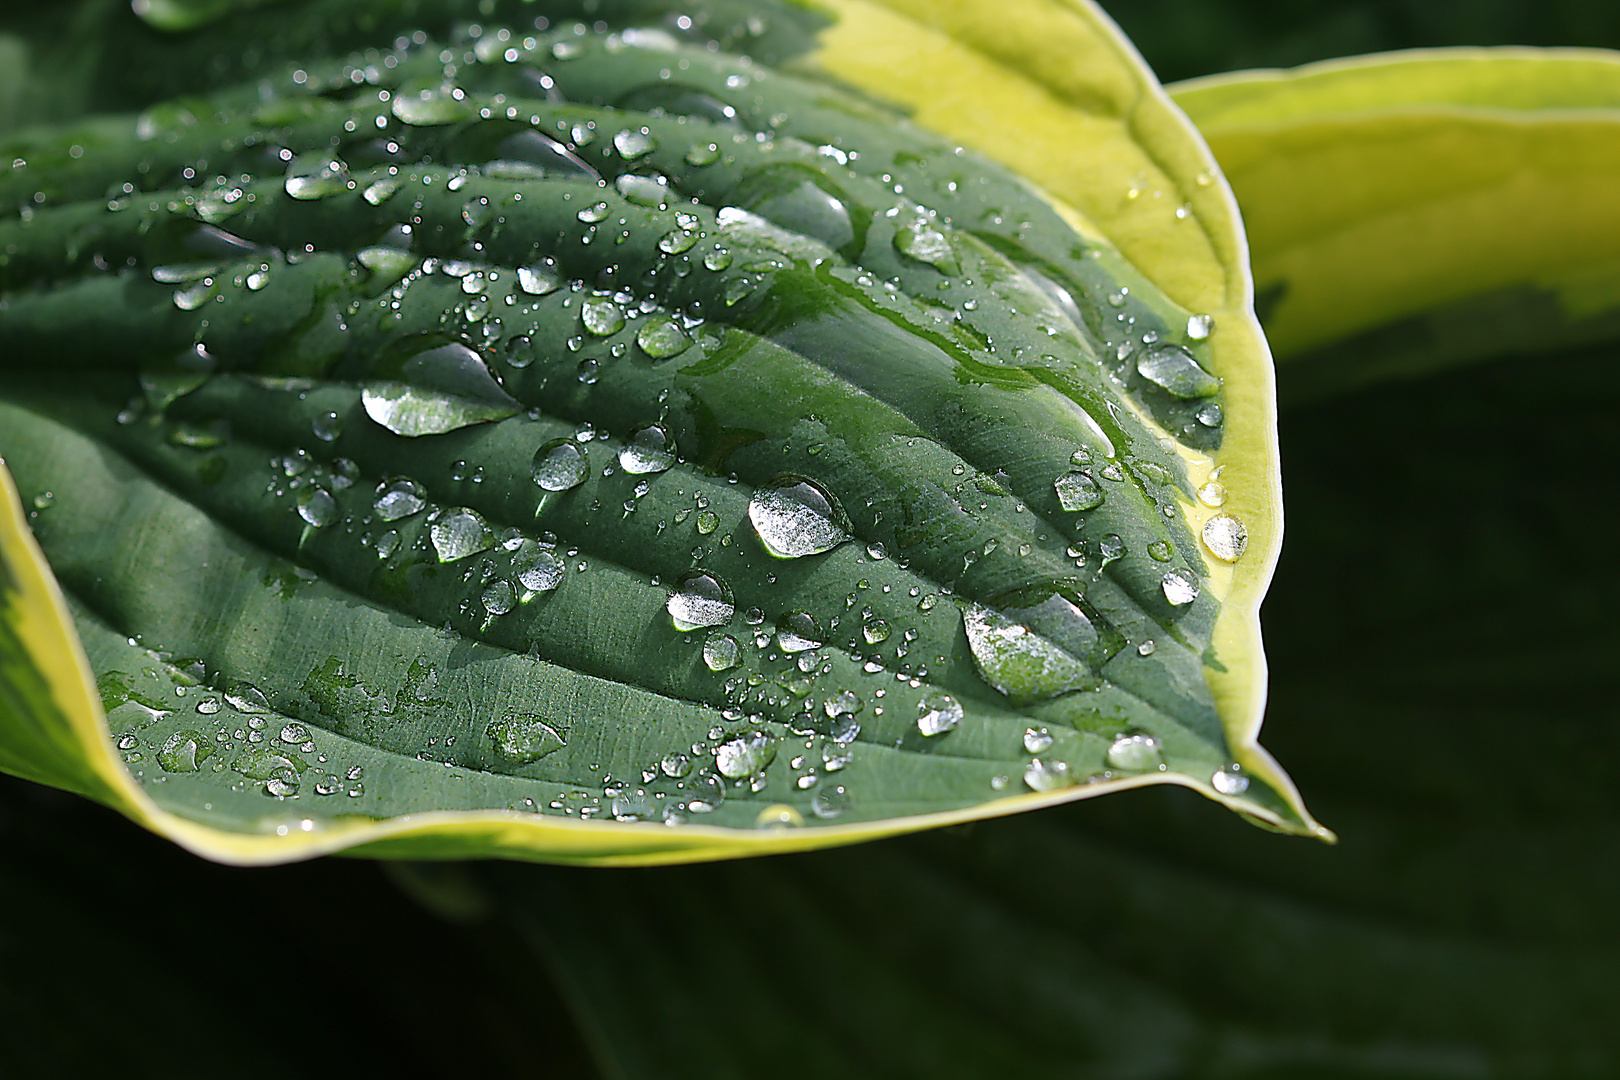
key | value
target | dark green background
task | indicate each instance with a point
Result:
(1442, 638)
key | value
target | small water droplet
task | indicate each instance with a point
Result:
(382, 190)
(675, 766)
(634, 143)
(875, 631)
(1160, 550)
(430, 107)
(601, 316)
(927, 244)
(1043, 775)
(1210, 415)
(643, 190)
(1229, 781)
(662, 338)
(1135, 753)
(676, 241)
(317, 507)
(745, 755)
(1037, 740)
(718, 259)
(524, 739)
(317, 178)
(1199, 326)
(798, 631)
(1213, 494)
(1175, 369)
(593, 213)
(184, 751)
(537, 280)
(699, 600)
(707, 522)
(398, 499)
(701, 154)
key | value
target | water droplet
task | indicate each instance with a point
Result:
(675, 766)
(294, 734)
(875, 631)
(1111, 547)
(876, 551)
(1212, 494)
(798, 631)
(440, 389)
(398, 499)
(662, 338)
(632, 806)
(632, 144)
(1226, 537)
(1160, 550)
(593, 213)
(843, 703)
(559, 465)
(1180, 587)
(1042, 775)
(537, 280)
(718, 259)
(317, 178)
(937, 714)
(745, 755)
(246, 698)
(701, 154)
(522, 739)
(317, 507)
(927, 244)
(1147, 648)
(460, 533)
(1229, 781)
(1021, 663)
(601, 316)
(647, 450)
(1135, 753)
(538, 570)
(643, 190)
(190, 299)
(382, 190)
(830, 801)
(778, 816)
(700, 600)
(1037, 740)
(1199, 326)
(794, 516)
(184, 751)
(721, 652)
(707, 522)
(1210, 415)
(676, 241)
(431, 107)
(327, 426)
(1078, 491)
(1174, 369)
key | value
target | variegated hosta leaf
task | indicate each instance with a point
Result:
(588, 444)
(1416, 210)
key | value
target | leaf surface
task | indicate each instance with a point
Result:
(1450, 203)
(489, 498)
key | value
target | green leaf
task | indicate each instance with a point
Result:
(1418, 210)
(455, 504)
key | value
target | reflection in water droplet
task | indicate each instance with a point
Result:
(559, 465)
(1078, 491)
(317, 507)
(830, 801)
(398, 499)
(1043, 775)
(601, 316)
(721, 652)
(745, 755)
(662, 338)
(1021, 663)
(1230, 781)
(647, 450)
(700, 600)
(522, 739)
(184, 751)
(460, 533)
(1180, 587)
(1226, 537)
(1135, 753)
(1174, 369)
(537, 280)
(794, 516)
(798, 631)
(937, 714)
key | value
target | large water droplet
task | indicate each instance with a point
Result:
(643, 190)
(1078, 491)
(538, 570)
(1174, 368)
(593, 213)
(1226, 537)
(185, 751)
(927, 244)
(1043, 775)
(631, 143)
(1135, 753)
(647, 450)
(522, 739)
(559, 465)
(398, 499)
(537, 280)
(431, 107)
(700, 600)
(317, 507)
(721, 652)
(745, 755)
(795, 516)
(1230, 781)
(937, 714)
(438, 390)
(460, 533)
(317, 178)
(1019, 662)
(662, 338)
